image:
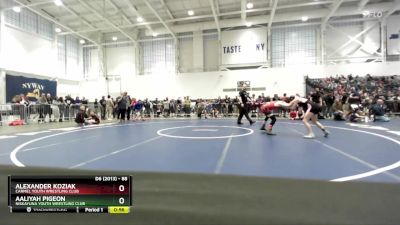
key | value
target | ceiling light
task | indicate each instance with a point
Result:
(58, 2)
(155, 34)
(304, 18)
(114, 38)
(82, 41)
(58, 30)
(249, 24)
(139, 19)
(16, 9)
(190, 12)
(249, 5)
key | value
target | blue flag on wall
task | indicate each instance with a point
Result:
(31, 87)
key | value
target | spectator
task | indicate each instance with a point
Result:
(285, 99)
(230, 106)
(157, 107)
(41, 108)
(96, 106)
(62, 108)
(109, 107)
(24, 100)
(103, 105)
(148, 105)
(84, 101)
(293, 114)
(172, 108)
(69, 100)
(128, 108)
(122, 105)
(80, 116)
(300, 113)
(179, 107)
(355, 115)
(138, 111)
(378, 111)
(47, 108)
(93, 119)
(132, 106)
(166, 111)
(77, 101)
(187, 103)
(337, 109)
(328, 99)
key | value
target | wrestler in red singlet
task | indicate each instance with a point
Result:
(267, 107)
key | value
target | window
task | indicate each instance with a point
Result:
(12, 17)
(158, 57)
(61, 53)
(45, 28)
(294, 45)
(185, 54)
(72, 54)
(29, 21)
(68, 55)
(211, 54)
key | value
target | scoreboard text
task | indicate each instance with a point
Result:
(78, 194)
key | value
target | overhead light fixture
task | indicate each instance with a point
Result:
(249, 24)
(114, 38)
(139, 19)
(304, 18)
(190, 12)
(16, 9)
(82, 41)
(250, 5)
(58, 30)
(58, 2)
(155, 34)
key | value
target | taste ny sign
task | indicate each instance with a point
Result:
(247, 46)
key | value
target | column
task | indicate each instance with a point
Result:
(2, 66)
(383, 40)
(321, 45)
(269, 48)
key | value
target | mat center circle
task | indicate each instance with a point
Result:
(205, 132)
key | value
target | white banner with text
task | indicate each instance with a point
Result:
(247, 46)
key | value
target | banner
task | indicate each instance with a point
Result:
(393, 35)
(248, 46)
(31, 87)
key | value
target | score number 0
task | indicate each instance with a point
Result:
(121, 188)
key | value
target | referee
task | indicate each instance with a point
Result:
(243, 106)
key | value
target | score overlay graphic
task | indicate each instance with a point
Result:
(75, 194)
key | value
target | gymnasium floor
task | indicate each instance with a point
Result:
(363, 152)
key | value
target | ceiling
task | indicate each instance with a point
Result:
(90, 19)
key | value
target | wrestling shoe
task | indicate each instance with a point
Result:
(269, 132)
(309, 136)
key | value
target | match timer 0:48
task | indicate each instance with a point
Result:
(77, 194)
